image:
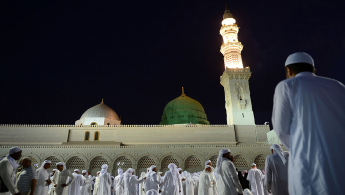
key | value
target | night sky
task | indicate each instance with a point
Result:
(59, 59)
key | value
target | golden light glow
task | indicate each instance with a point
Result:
(231, 65)
(228, 21)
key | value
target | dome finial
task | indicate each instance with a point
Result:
(183, 91)
(102, 101)
(226, 6)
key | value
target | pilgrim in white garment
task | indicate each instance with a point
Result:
(276, 172)
(96, 186)
(104, 181)
(196, 182)
(74, 188)
(142, 185)
(213, 177)
(171, 184)
(84, 189)
(60, 179)
(118, 182)
(189, 185)
(151, 182)
(51, 186)
(205, 182)
(228, 182)
(255, 178)
(130, 182)
(8, 165)
(90, 183)
(308, 117)
(181, 179)
(43, 179)
(263, 181)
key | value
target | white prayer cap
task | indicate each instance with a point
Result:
(152, 167)
(220, 159)
(76, 170)
(253, 164)
(277, 150)
(299, 57)
(54, 169)
(84, 171)
(206, 163)
(14, 150)
(45, 162)
(61, 163)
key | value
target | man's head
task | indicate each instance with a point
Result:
(54, 170)
(15, 153)
(298, 62)
(208, 168)
(76, 171)
(154, 169)
(59, 167)
(26, 162)
(208, 163)
(98, 172)
(47, 165)
(253, 166)
(180, 170)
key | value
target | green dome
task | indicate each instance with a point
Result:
(184, 110)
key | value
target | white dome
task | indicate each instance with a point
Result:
(101, 110)
(100, 114)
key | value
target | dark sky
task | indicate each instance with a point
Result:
(59, 59)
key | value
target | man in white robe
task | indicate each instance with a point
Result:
(51, 186)
(213, 177)
(96, 186)
(104, 181)
(112, 185)
(181, 179)
(90, 183)
(171, 184)
(43, 178)
(189, 185)
(118, 182)
(206, 182)
(276, 172)
(130, 182)
(85, 187)
(74, 188)
(60, 178)
(228, 182)
(308, 117)
(151, 182)
(255, 178)
(196, 182)
(8, 165)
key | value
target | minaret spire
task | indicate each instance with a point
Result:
(183, 91)
(102, 101)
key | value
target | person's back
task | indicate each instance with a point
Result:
(276, 177)
(309, 118)
(104, 184)
(228, 182)
(255, 177)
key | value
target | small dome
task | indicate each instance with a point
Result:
(100, 114)
(184, 110)
(100, 110)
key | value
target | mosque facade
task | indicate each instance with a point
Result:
(184, 136)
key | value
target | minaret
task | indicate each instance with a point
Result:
(235, 77)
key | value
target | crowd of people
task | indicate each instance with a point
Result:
(23, 179)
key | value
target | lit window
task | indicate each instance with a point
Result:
(93, 123)
(87, 136)
(96, 136)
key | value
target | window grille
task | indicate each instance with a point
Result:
(167, 160)
(54, 160)
(98, 162)
(260, 161)
(239, 161)
(123, 163)
(75, 163)
(193, 162)
(146, 162)
(213, 159)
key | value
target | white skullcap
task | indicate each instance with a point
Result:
(54, 169)
(14, 150)
(206, 163)
(299, 57)
(63, 164)
(220, 159)
(84, 171)
(76, 170)
(253, 164)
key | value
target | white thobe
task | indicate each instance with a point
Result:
(196, 186)
(130, 185)
(41, 184)
(213, 178)
(228, 182)
(276, 175)
(142, 185)
(96, 186)
(74, 188)
(308, 117)
(104, 184)
(169, 186)
(265, 188)
(151, 182)
(7, 175)
(189, 186)
(255, 178)
(84, 188)
(51, 187)
(90, 184)
(205, 183)
(60, 178)
(118, 183)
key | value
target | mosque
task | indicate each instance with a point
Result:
(184, 136)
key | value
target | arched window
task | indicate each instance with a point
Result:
(93, 123)
(96, 136)
(87, 136)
